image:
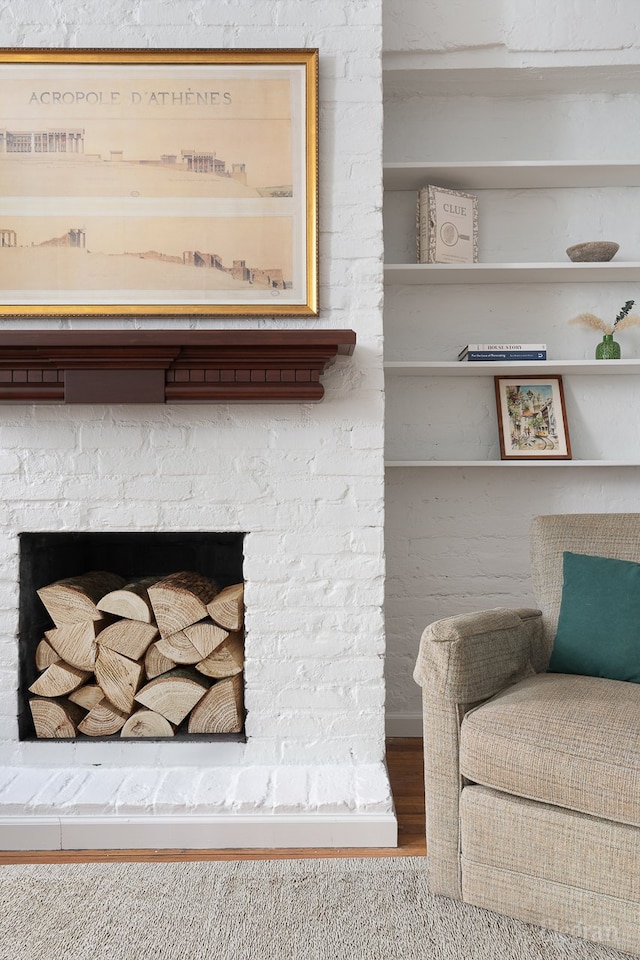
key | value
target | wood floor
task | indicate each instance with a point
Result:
(404, 760)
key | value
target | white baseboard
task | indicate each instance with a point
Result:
(403, 725)
(198, 833)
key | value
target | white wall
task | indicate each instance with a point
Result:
(306, 481)
(583, 25)
(413, 25)
(457, 539)
(520, 26)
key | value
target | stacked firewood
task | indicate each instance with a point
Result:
(139, 659)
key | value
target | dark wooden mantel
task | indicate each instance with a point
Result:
(167, 366)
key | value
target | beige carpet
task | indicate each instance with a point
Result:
(372, 909)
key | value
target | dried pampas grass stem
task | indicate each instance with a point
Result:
(624, 319)
(633, 320)
(590, 320)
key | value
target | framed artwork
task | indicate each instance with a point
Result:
(180, 182)
(532, 419)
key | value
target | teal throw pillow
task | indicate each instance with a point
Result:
(599, 624)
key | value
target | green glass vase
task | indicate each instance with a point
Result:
(608, 348)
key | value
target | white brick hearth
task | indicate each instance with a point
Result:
(257, 806)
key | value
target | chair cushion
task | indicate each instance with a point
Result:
(599, 625)
(568, 740)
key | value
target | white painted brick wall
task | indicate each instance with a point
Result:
(305, 481)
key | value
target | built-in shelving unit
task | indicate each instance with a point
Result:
(418, 81)
(550, 144)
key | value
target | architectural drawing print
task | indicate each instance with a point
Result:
(184, 186)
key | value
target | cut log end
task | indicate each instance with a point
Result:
(45, 655)
(131, 601)
(147, 723)
(103, 720)
(180, 600)
(74, 600)
(178, 648)
(119, 677)
(155, 664)
(221, 709)
(75, 643)
(58, 680)
(227, 607)
(131, 638)
(55, 719)
(226, 660)
(205, 636)
(87, 696)
(174, 694)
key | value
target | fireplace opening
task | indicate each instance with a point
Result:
(203, 567)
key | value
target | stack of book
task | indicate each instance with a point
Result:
(504, 351)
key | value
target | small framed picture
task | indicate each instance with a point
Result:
(532, 419)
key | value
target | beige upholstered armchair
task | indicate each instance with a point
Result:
(533, 778)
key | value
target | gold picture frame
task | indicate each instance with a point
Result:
(159, 182)
(532, 419)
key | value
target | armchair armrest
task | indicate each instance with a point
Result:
(464, 660)
(471, 657)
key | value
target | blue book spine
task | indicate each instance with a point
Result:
(509, 355)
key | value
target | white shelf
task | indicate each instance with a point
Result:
(411, 73)
(516, 174)
(422, 273)
(511, 463)
(466, 368)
